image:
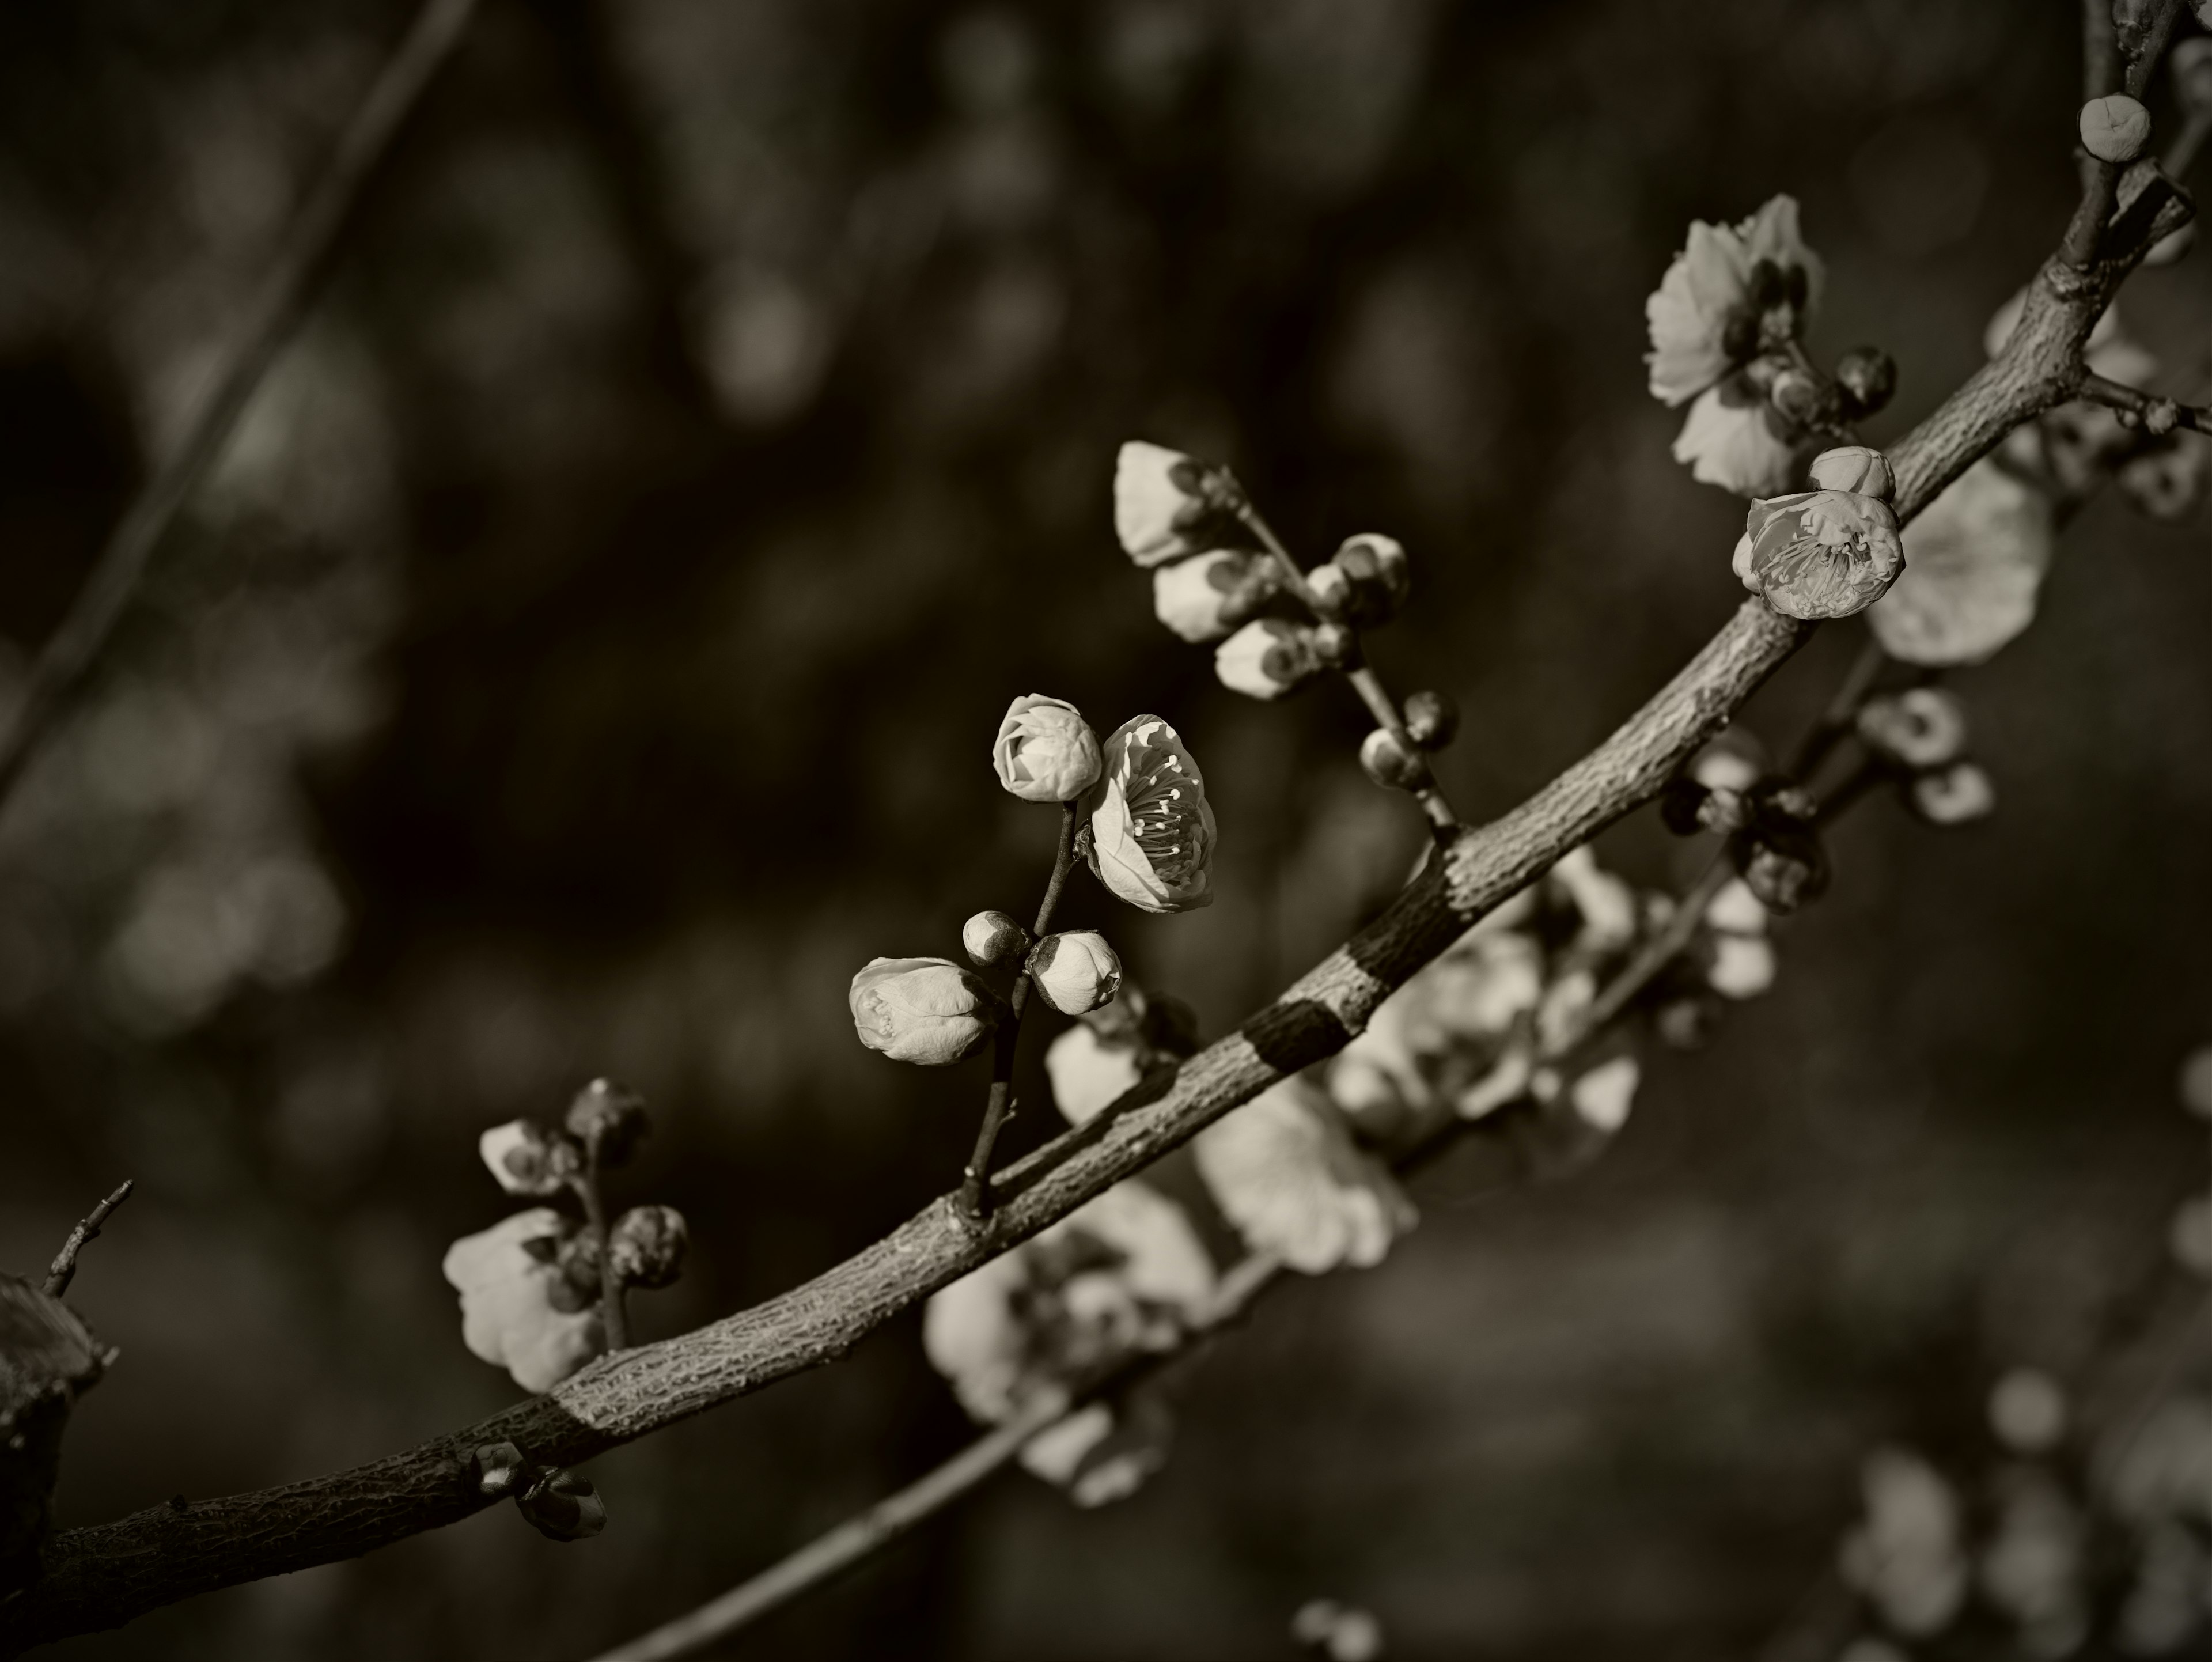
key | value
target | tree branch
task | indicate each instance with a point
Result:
(63, 1269)
(104, 1575)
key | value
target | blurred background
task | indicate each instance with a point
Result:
(588, 654)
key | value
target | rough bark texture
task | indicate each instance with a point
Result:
(104, 1575)
(48, 1360)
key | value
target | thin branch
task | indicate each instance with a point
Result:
(303, 261)
(613, 1317)
(2159, 415)
(106, 1575)
(2101, 50)
(63, 1269)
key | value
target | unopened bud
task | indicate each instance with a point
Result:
(925, 1010)
(2114, 129)
(608, 1121)
(499, 1469)
(1075, 973)
(528, 1159)
(1921, 728)
(1432, 719)
(1954, 795)
(1371, 556)
(562, 1506)
(993, 939)
(1796, 396)
(1352, 587)
(1203, 597)
(1389, 763)
(1685, 1023)
(646, 1246)
(1167, 504)
(1783, 865)
(1867, 376)
(1857, 468)
(1687, 807)
(1267, 658)
(1337, 645)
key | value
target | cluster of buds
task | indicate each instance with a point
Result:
(560, 1505)
(1770, 823)
(1920, 735)
(534, 1287)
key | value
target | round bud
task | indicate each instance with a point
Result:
(1336, 645)
(1389, 763)
(2114, 129)
(608, 1120)
(1857, 468)
(1686, 1023)
(1867, 376)
(646, 1245)
(1784, 866)
(1371, 556)
(1432, 719)
(1795, 395)
(1331, 588)
(992, 938)
(1075, 971)
(562, 1506)
(500, 1469)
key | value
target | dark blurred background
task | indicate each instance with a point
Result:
(587, 657)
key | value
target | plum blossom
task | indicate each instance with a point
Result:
(1268, 658)
(1088, 1072)
(927, 1010)
(1954, 796)
(1918, 728)
(1285, 1173)
(1732, 439)
(1075, 973)
(1204, 598)
(1166, 502)
(518, 1310)
(1045, 752)
(1907, 1557)
(528, 1160)
(1151, 829)
(1974, 564)
(1819, 553)
(1732, 291)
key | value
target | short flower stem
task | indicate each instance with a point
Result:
(612, 1316)
(976, 1183)
(1365, 681)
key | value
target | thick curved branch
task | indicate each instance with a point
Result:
(104, 1575)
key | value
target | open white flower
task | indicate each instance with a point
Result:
(1284, 1172)
(1730, 440)
(1732, 290)
(1974, 564)
(519, 1310)
(1151, 831)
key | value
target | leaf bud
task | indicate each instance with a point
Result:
(1954, 795)
(1337, 645)
(562, 1506)
(993, 939)
(1920, 727)
(1267, 658)
(1783, 865)
(646, 1246)
(1867, 376)
(608, 1121)
(1389, 763)
(2115, 128)
(527, 1158)
(1855, 467)
(1075, 973)
(1203, 597)
(1432, 719)
(924, 1010)
(1045, 752)
(500, 1469)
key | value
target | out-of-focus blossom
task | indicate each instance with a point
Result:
(927, 1010)
(1204, 598)
(1918, 728)
(1164, 502)
(1088, 1073)
(1906, 1556)
(1974, 563)
(1075, 971)
(1390, 763)
(1151, 829)
(1728, 763)
(608, 1121)
(528, 1160)
(1732, 290)
(993, 939)
(648, 1245)
(2165, 1469)
(1045, 751)
(1956, 796)
(2196, 1082)
(2027, 1410)
(1364, 581)
(1284, 1172)
(1607, 903)
(1732, 438)
(2114, 128)
(1121, 1274)
(1819, 553)
(2167, 481)
(2165, 1607)
(2032, 1568)
(1741, 958)
(1431, 718)
(2189, 1235)
(519, 1310)
(1601, 1096)
(1268, 658)
(1338, 1632)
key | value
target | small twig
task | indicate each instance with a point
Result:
(303, 261)
(65, 1264)
(2142, 61)
(2159, 415)
(975, 1184)
(612, 1314)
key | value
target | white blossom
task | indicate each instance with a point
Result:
(1906, 1558)
(1151, 828)
(1087, 1074)
(1974, 564)
(1284, 1172)
(926, 1010)
(1706, 316)
(518, 1310)
(1159, 501)
(1729, 440)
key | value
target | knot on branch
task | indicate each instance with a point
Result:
(48, 1358)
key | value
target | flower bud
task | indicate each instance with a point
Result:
(499, 1469)
(646, 1246)
(608, 1121)
(1742, 966)
(1855, 467)
(1364, 582)
(1267, 658)
(2114, 129)
(1203, 597)
(993, 939)
(1371, 556)
(1867, 376)
(2191, 63)
(1686, 807)
(528, 1160)
(1075, 971)
(1337, 645)
(1783, 865)
(1166, 502)
(1432, 719)
(562, 1506)
(1796, 395)
(1921, 727)
(1954, 796)
(1390, 763)
(925, 1010)
(1821, 553)
(1045, 751)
